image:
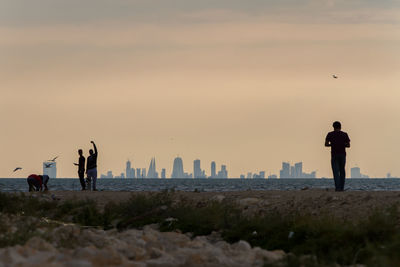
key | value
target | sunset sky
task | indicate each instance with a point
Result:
(247, 84)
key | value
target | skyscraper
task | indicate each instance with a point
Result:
(285, 172)
(223, 173)
(138, 173)
(177, 170)
(50, 169)
(130, 172)
(213, 170)
(197, 173)
(163, 173)
(152, 173)
(298, 170)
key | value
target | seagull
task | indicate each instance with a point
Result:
(17, 169)
(48, 165)
(334, 76)
(53, 160)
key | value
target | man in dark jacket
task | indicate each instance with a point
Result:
(91, 166)
(81, 168)
(338, 141)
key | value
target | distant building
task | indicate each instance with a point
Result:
(223, 173)
(163, 174)
(110, 174)
(177, 169)
(242, 176)
(197, 173)
(130, 172)
(273, 176)
(295, 171)
(138, 173)
(143, 173)
(50, 169)
(213, 170)
(285, 172)
(356, 173)
(152, 173)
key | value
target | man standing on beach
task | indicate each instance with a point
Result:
(81, 168)
(91, 166)
(338, 141)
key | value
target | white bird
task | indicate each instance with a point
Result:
(335, 76)
(17, 169)
(54, 159)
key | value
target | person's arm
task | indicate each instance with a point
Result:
(95, 148)
(347, 144)
(327, 141)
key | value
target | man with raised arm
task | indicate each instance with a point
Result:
(338, 141)
(91, 166)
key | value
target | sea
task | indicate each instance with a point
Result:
(206, 185)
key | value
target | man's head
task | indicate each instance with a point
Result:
(337, 126)
(91, 152)
(80, 152)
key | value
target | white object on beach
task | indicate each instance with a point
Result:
(291, 234)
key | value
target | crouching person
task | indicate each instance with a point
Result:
(38, 182)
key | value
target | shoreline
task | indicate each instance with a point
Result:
(316, 202)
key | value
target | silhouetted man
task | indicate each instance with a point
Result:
(36, 182)
(338, 141)
(81, 168)
(91, 166)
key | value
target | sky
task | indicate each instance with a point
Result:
(247, 84)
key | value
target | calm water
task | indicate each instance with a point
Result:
(12, 185)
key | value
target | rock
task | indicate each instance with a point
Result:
(241, 246)
(217, 198)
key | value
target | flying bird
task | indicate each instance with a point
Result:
(48, 165)
(17, 169)
(335, 76)
(53, 160)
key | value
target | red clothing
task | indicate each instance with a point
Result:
(37, 178)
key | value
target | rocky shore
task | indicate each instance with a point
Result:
(247, 228)
(71, 245)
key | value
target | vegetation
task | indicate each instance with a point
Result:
(374, 241)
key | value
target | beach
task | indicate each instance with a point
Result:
(346, 205)
(106, 228)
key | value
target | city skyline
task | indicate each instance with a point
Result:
(247, 83)
(178, 171)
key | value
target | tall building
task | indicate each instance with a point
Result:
(213, 170)
(298, 170)
(152, 173)
(285, 172)
(163, 173)
(223, 173)
(177, 170)
(295, 171)
(130, 172)
(197, 172)
(50, 169)
(138, 173)
(143, 173)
